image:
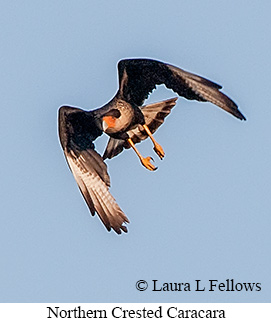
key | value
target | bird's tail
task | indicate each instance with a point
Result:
(156, 113)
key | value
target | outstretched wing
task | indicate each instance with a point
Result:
(138, 77)
(77, 131)
(154, 115)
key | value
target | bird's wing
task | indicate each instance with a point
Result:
(138, 77)
(77, 131)
(154, 115)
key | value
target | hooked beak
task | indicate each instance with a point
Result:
(104, 125)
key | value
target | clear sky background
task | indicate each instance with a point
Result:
(204, 214)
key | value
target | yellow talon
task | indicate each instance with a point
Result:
(146, 162)
(159, 150)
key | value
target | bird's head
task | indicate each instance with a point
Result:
(110, 119)
(109, 122)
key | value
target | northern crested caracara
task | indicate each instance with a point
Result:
(127, 122)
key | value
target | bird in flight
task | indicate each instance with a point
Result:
(127, 122)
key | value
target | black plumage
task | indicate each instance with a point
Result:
(127, 122)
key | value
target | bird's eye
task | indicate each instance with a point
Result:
(114, 113)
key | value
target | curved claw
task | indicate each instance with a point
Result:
(159, 150)
(146, 163)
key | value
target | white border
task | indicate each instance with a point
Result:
(38, 312)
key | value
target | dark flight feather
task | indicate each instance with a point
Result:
(138, 78)
(77, 130)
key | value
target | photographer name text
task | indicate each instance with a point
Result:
(212, 285)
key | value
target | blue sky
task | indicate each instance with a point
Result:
(204, 214)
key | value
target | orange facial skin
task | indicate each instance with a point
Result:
(110, 121)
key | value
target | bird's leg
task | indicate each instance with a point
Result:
(144, 161)
(157, 148)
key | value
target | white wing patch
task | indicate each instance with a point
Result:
(97, 195)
